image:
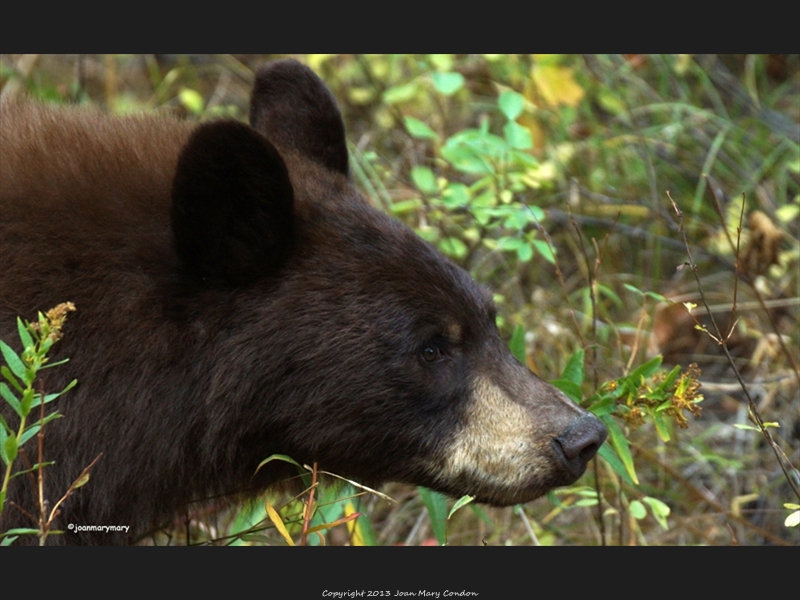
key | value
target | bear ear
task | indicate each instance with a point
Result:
(294, 109)
(232, 204)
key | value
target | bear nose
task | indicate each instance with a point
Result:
(579, 443)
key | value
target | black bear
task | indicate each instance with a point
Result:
(237, 297)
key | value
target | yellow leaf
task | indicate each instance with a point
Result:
(353, 528)
(81, 481)
(278, 522)
(556, 85)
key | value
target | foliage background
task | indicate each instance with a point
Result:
(546, 176)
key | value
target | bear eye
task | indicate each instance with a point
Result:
(432, 353)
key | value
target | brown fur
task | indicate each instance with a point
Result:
(237, 298)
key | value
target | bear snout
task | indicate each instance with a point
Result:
(579, 443)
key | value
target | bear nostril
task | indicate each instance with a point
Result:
(579, 443)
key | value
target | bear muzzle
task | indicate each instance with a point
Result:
(578, 444)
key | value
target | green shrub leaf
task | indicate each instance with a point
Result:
(517, 344)
(418, 129)
(511, 103)
(448, 83)
(13, 360)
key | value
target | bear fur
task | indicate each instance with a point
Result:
(236, 298)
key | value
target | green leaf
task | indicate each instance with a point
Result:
(574, 369)
(637, 510)
(511, 104)
(523, 160)
(474, 151)
(463, 501)
(9, 397)
(34, 429)
(645, 371)
(192, 100)
(453, 247)
(34, 468)
(670, 379)
(82, 480)
(754, 428)
(10, 449)
(633, 289)
(401, 93)
(505, 242)
(455, 195)
(280, 457)
(586, 502)
(405, 206)
(54, 364)
(424, 179)
(418, 129)
(27, 401)
(609, 293)
(659, 509)
(482, 217)
(448, 83)
(21, 530)
(517, 136)
(570, 388)
(516, 217)
(524, 252)
(6, 372)
(24, 336)
(611, 102)
(607, 454)
(3, 437)
(517, 344)
(13, 360)
(536, 213)
(543, 248)
(746, 427)
(467, 161)
(620, 444)
(662, 427)
(436, 504)
(654, 295)
(4, 428)
(51, 397)
(29, 433)
(605, 406)
(482, 515)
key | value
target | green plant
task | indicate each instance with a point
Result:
(21, 372)
(473, 194)
(304, 518)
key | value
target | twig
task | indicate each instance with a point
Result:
(563, 284)
(309, 506)
(783, 460)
